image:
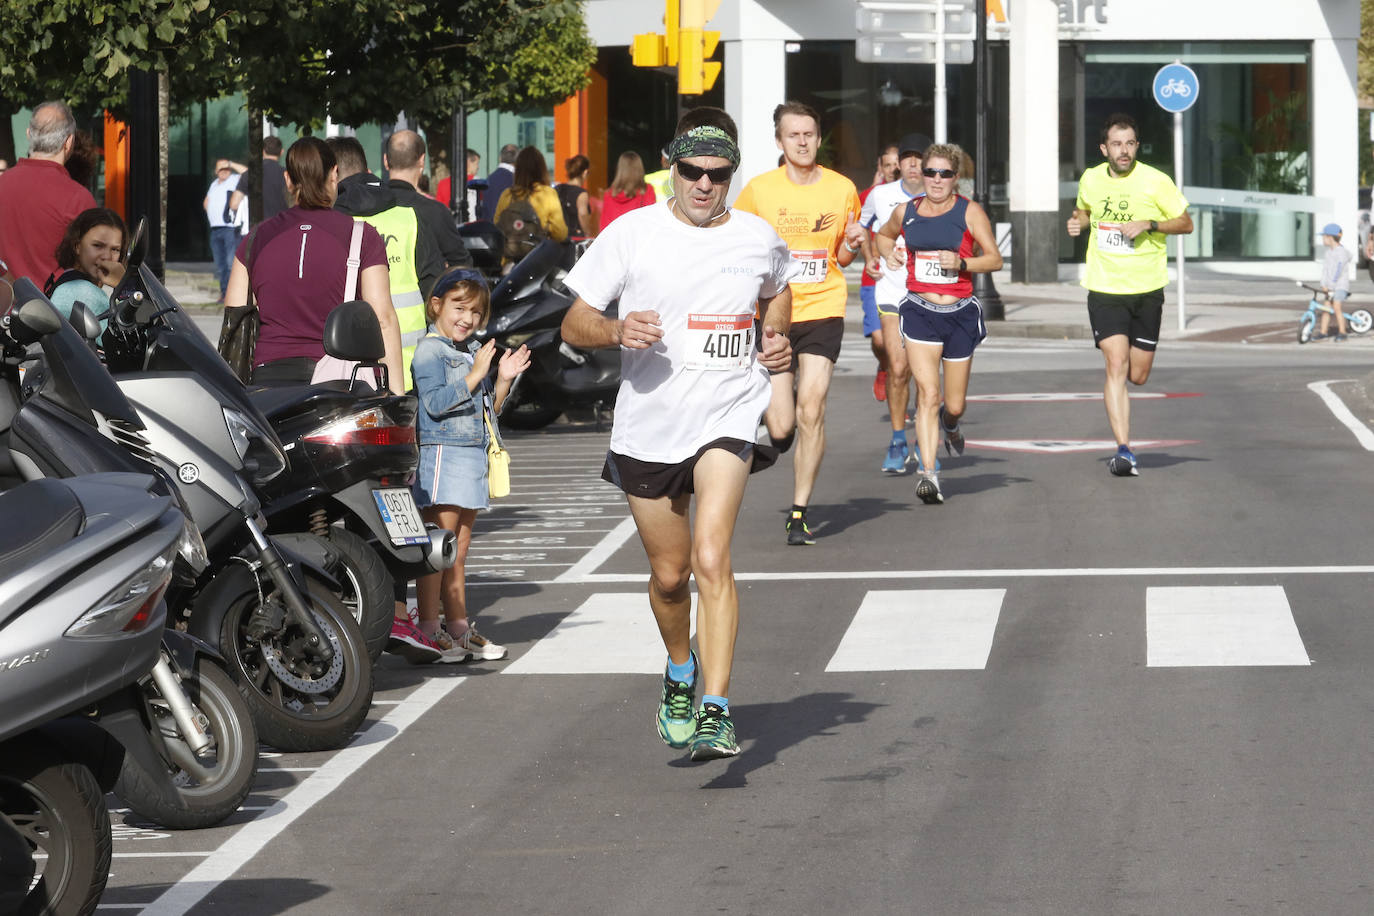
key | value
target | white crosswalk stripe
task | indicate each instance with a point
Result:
(944, 629)
(611, 633)
(921, 629)
(1221, 626)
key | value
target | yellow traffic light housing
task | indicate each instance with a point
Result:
(649, 51)
(695, 73)
(685, 44)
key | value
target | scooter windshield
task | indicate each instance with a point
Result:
(182, 347)
(76, 379)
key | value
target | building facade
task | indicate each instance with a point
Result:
(1270, 148)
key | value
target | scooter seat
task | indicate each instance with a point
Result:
(285, 401)
(45, 514)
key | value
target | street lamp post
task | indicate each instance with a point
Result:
(144, 176)
(983, 286)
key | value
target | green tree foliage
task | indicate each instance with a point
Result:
(80, 50)
(358, 60)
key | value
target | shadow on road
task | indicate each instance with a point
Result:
(260, 896)
(770, 728)
(830, 519)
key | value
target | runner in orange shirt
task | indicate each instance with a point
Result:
(815, 210)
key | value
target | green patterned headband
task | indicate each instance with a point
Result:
(704, 141)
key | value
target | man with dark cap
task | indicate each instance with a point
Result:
(890, 289)
(694, 384)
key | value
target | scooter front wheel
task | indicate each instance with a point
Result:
(59, 810)
(211, 785)
(299, 701)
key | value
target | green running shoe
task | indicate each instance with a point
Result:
(715, 736)
(798, 534)
(676, 724)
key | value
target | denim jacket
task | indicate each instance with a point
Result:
(449, 414)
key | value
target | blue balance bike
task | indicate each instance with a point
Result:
(1358, 320)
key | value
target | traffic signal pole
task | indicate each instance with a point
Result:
(983, 287)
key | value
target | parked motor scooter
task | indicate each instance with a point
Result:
(345, 498)
(184, 752)
(527, 307)
(81, 619)
(296, 653)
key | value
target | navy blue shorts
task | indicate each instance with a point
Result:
(958, 327)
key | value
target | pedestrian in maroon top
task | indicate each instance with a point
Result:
(37, 196)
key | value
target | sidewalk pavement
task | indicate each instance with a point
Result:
(1254, 303)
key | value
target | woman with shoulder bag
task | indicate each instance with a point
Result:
(295, 266)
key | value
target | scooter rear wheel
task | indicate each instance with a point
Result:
(299, 710)
(367, 588)
(209, 787)
(58, 808)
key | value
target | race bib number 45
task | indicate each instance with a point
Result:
(718, 342)
(1112, 238)
(928, 269)
(814, 265)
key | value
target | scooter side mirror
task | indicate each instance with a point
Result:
(352, 332)
(85, 322)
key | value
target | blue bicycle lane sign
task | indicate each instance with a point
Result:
(1175, 87)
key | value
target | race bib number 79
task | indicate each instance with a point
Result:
(814, 265)
(719, 342)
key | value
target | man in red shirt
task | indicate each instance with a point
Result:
(37, 196)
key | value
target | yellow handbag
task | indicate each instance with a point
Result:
(498, 460)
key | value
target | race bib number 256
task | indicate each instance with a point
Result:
(719, 342)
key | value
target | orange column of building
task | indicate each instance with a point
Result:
(579, 126)
(117, 165)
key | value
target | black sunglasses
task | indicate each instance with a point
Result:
(939, 173)
(691, 172)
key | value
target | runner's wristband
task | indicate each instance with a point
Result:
(1154, 226)
(851, 250)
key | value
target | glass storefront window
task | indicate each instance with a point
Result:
(1248, 131)
(866, 106)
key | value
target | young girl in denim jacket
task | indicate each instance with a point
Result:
(451, 485)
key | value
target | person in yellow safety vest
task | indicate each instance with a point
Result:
(410, 252)
(662, 180)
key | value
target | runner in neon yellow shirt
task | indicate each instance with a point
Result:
(1128, 207)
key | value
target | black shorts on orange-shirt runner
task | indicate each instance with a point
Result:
(1138, 316)
(654, 479)
(822, 336)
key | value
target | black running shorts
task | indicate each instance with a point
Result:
(1138, 316)
(822, 336)
(655, 479)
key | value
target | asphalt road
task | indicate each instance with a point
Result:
(1059, 692)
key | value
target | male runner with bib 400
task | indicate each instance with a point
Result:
(1128, 207)
(689, 274)
(816, 211)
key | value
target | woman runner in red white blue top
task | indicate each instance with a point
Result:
(948, 238)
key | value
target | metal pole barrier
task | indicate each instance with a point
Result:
(1178, 178)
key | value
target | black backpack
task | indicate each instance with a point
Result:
(521, 227)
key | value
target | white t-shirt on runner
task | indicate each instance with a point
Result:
(702, 381)
(890, 289)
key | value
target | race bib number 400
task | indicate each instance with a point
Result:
(718, 342)
(928, 269)
(814, 265)
(1112, 238)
